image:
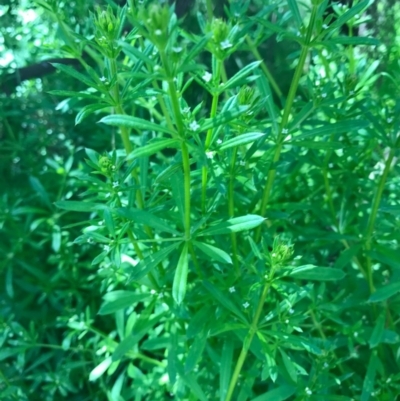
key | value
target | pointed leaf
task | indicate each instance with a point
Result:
(377, 334)
(311, 272)
(87, 110)
(281, 393)
(234, 225)
(116, 300)
(214, 253)
(78, 206)
(100, 369)
(121, 120)
(153, 147)
(180, 279)
(385, 292)
(239, 76)
(73, 73)
(241, 140)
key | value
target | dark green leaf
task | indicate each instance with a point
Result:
(214, 253)
(241, 140)
(153, 147)
(116, 300)
(385, 292)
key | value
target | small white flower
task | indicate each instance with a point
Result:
(152, 292)
(106, 248)
(242, 163)
(113, 168)
(274, 255)
(219, 141)
(351, 93)
(115, 184)
(103, 79)
(317, 82)
(157, 68)
(225, 44)
(291, 311)
(330, 165)
(325, 26)
(355, 334)
(246, 305)
(323, 95)
(194, 125)
(308, 391)
(389, 120)
(210, 155)
(326, 365)
(186, 110)
(158, 32)
(232, 289)
(207, 76)
(285, 131)
(160, 295)
(177, 49)
(100, 223)
(90, 240)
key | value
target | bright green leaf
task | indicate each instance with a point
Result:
(180, 279)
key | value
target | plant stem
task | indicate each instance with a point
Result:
(372, 217)
(285, 118)
(249, 338)
(266, 71)
(210, 13)
(213, 113)
(231, 210)
(181, 132)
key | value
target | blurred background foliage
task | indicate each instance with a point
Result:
(50, 293)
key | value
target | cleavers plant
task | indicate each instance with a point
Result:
(246, 238)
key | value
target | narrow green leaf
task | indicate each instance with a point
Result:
(295, 11)
(223, 300)
(195, 389)
(223, 118)
(241, 140)
(225, 368)
(137, 123)
(319, 145)
(180, 279)
(234, 225)
(78, 206)
(335, 128)
(385, 292)
(150, 262)
(289, 366)
(116, 300)
(87, 110)
(239, 76)
(354, 40)
(357, 9)
(368, 385)
(40, 190)
(109, 221)
(281, 393)
(377, 333)
(214, 253)
(195, 353)
(311, 272)
(73, 73)
(143, 217)
(100, 369)
(79, 95)
(153, 147)
(265, 90)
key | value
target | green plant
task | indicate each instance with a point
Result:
(243, 250)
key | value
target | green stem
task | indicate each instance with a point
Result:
(249, 338)
(213, 113)
(181, 132)
(372, 217)
(285, 118)
(210, 13)
(231, 210)
(264, 68)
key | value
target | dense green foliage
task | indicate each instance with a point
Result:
(190, 215)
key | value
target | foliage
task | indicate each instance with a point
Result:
(204, 233)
